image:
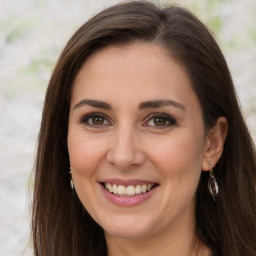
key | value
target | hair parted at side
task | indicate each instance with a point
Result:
(60, 224)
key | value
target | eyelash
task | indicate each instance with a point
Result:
(166, 118)
(85, 119)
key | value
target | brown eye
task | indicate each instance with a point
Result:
(97, 120)
(159, 121)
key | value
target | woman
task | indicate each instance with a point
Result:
(143, 149)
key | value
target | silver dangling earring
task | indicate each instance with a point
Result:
(213, 185)
(71, 181)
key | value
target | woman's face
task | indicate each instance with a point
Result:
(136, 141)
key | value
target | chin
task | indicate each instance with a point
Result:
(127, 229)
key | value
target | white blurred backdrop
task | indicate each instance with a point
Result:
(32, 35)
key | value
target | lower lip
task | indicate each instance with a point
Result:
(127, 200)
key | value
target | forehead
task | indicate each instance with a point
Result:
(139, 71)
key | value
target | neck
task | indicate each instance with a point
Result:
(182, 242)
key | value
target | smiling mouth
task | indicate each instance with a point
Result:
(128, 191)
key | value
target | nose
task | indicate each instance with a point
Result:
(124, 152)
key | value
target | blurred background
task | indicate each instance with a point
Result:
(32, 35)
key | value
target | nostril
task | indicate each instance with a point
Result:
(121, 159)
(125, 158)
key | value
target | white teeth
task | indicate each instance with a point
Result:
(110, 188)
(130, 190)
(115, 189)
(144, 188)
(121, 190)
(138, 189)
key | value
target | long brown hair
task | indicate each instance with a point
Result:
(60, 224)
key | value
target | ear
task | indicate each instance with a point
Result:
(214, 143)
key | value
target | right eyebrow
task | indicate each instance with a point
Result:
(161, 103)
(93, 103)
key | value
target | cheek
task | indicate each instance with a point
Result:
(84, 154)
(85, 158)
(178, 155)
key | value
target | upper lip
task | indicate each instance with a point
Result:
(128, 182)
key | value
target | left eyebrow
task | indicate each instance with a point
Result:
(92, 103)
(160, 103)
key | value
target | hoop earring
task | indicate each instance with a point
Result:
(71, 180)
(213, 185)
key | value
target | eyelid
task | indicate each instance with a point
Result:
(169, 118)
(84, 118)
